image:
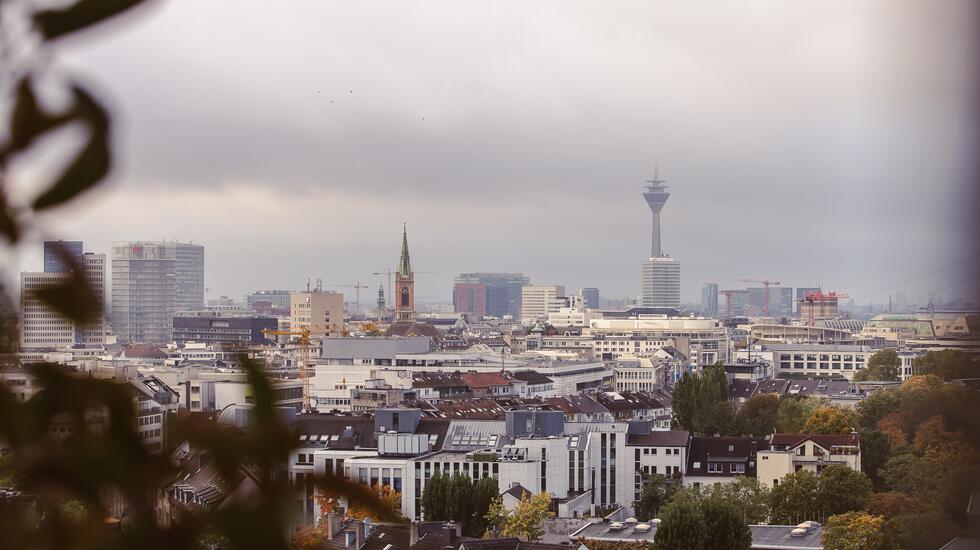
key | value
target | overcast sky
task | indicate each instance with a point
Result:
(806, 142)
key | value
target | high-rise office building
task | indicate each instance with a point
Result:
(151, 281)
(502, 293)
(190, 276)
(537, 301)
(42, 327)
(53, 251)
(661, 282)
(785, 301)
(709, 298)
(661, 274)
(276, 299)
(590, 297)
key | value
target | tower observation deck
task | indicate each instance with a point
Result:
(656, 196)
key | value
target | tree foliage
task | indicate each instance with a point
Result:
(947, 364)
(793, 413)
(883, 365)
(794, 500)
(700, 402)
(829, 419)
(725, 526)
(682, 525)
(525, 521)
(457, 498)
(856, 531)
(893, 504)
(759, 415)
(657, 492)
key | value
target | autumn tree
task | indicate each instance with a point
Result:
(932, 432)
(856, 531)
(829, 419)
(758, 415)
(525, 521)
(893, 504)
(883, 365)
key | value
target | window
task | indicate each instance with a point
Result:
(714, 468)
(737, 468)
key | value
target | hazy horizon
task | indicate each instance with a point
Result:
(823, 144)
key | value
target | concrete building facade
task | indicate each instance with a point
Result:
(42, 327)
(661, 285)
(537, 301)
(322, 313)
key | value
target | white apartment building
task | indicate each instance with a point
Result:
(537, 301)
(585, 465)
(789, 453)
(707, 337)
(835, 360)
(638, 374)
(570, 317)
(44, 328)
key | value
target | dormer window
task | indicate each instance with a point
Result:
(731, 448)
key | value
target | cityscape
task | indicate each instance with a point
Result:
(250, 382)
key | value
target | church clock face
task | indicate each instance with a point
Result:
(404, 295)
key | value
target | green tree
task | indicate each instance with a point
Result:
(947, 364)
(856, 531)
(435, 497)
(459, 498)
(841, 489)
(829, 419)
(875, 451)
(682, 525)
(758, 415)
(926, 531)
(878, 405)
(883, 365)
(793, 413)
(700, 402)
(749, 496)
(657, 492)
(794, 500)
(485, 490)
(725, 526)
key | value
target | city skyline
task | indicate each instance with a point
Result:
(561, 139)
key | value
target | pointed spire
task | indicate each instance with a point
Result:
(404, 263)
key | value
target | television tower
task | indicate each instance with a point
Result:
(656, 196)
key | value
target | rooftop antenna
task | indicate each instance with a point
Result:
(307, 284)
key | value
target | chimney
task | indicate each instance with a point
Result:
(333, 525)
(452, 531)
(358, 534)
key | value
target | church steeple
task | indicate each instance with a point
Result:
(405, 262)
(404, 284)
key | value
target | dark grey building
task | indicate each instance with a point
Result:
(709, 298)
(590, 297)
(503, 296)
(222, 330)
(279, 299)
(53, 262)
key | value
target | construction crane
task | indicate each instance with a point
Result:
(357, 286)
(824, 299)
(766, 284)
(303, 363)
(389, 273)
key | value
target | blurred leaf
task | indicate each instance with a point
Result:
(28, 120)
(81, 14)
(8, 221)
(92, 162)
(74, 298)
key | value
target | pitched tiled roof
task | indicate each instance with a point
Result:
(670, 438)
(532, 377)
(574, 404)
(481, 380)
